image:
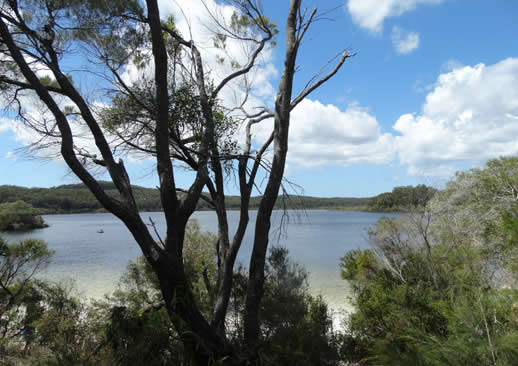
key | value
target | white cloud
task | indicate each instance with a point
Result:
(4, 125)
(470, 113)
(404, 42)
(10, 155)
(470, 116)
(37, 117)
(325, 135)
(193, 22)
(197, 23)
(370, 14)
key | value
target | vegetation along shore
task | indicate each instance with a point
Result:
(436, 283)
(76, 198)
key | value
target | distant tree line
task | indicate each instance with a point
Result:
(73, 198)
(401, 199)
(76, 198)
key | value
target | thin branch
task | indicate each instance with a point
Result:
(152, 223)
(202, 196)
(310, 89)
(242, 71)
(5, 79)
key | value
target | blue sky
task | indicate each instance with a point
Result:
(433, 88)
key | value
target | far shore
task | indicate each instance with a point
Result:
(337, 209)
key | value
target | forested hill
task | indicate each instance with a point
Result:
(76, 198)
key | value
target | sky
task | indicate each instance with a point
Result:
(432, 89)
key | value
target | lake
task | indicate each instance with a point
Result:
(316, 239)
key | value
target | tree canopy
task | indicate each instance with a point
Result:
(19, 215)
(173, 112)
(402, 199)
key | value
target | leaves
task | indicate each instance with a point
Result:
(433, 288)
(19, 215)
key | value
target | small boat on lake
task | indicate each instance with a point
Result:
(100, 231)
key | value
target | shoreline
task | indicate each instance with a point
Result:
(329, 209)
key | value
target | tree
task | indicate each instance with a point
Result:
(296, 329)
(19, 294)
(439, 285)
(38, 35)
(402, 199)
(19, 215)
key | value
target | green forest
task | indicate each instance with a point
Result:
(76, 198)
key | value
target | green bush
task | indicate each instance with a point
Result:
(296, 327)
(438, 286)
(20, 293)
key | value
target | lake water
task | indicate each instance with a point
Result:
(316, 239)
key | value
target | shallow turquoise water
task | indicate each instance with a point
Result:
(316, 239)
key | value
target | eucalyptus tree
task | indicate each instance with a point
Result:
(173, 113)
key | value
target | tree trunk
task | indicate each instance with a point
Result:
(262, 226)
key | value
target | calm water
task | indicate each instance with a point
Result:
(315, 239)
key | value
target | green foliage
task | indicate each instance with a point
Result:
(132, 325)
(509, 229)
(296, 328)
(69, 332)
(77, 198)
(243, 23)
(142, 336)
(20, 295)
(19, 215)
(135, 121)
(357, 264)
(438, 287)
(138, 329)
(48, 81)
(408, 321)
(200, 261)
(401, 199)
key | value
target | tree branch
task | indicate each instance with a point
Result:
(310, 89)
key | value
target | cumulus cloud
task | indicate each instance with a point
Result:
(198, 23)
(470, 116)
(201, 24)
(404, 42)
(194, 22)
(370, 14)
(323, 134)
